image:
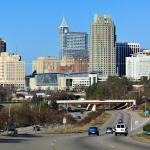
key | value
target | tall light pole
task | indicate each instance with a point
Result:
(144, 97)
(145, 105)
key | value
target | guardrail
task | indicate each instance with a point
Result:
(95, 101)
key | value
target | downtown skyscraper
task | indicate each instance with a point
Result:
(123, 50)
(102, 46)
(72, 44)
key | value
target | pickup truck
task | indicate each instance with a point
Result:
(121, 129)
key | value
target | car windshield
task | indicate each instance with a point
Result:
(12, 129)
(94, 128)
(122, 126)
(118, 126)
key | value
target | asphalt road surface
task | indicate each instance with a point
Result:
(78, 141)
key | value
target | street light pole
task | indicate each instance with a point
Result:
(144, 98)
(145, 105)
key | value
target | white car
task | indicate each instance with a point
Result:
(121, 129)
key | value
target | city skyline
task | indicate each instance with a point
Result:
(32, 27)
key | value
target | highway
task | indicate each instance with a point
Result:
(79, 141)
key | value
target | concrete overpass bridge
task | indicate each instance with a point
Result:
(97, 102)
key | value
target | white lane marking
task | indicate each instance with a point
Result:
(112, 146)
(52, 144)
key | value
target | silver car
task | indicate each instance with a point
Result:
(109, 130)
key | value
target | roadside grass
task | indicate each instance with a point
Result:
(141, 109)
(141, 113)
(141, 138)
(80, 128)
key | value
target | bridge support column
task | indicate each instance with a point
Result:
(94, 108)
(88, 106)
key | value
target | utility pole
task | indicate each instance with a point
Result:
(9, 115)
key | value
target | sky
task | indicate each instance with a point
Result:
(31, 27)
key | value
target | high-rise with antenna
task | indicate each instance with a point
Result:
(63, 29)
(72, 44)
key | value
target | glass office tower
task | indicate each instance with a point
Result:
(72, 44)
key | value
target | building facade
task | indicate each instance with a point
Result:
(102, 46)
(138, 66)
(81, 65)
(12, 71)
(66, 64)
(70, 64)
(67, 61)
(45, 64)
(62, 81)
(2, 45)
(72, 44)
(124, 50)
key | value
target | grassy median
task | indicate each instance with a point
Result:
(81, 127)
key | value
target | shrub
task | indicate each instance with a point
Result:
(146, 128)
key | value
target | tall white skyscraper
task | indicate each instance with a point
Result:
(103, 46)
